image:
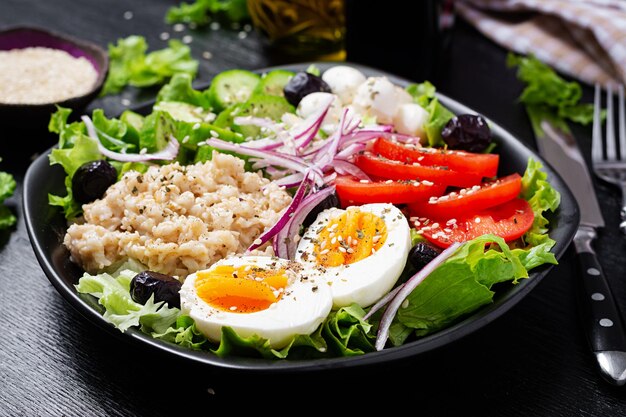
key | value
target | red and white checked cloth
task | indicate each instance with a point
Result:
(585, 39)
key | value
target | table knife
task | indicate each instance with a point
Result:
(600, 315)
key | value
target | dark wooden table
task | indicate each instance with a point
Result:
(532, 361)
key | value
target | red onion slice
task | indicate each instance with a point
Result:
(286, 238)
(284, 219)
(407, 288)
(166, 154)
(348, 168)
(274, 158)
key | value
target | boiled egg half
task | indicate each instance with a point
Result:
(359, 251)
(273, 298)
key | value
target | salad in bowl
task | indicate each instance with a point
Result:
(319, 212)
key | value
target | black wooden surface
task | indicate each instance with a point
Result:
(533, 361)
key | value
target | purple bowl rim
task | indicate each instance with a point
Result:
(88, 47)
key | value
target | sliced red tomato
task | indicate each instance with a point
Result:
(459, 203)
(483, 164)
(382, 167)
(352, 191)
(509, 220)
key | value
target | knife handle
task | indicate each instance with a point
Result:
(601, 316)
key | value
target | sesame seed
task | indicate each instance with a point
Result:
(214, 133)
(215, 25)
(477, 220)
(350, 250)
(376, 238)
(164, 36)
(349, 240)
(187, 39)
(342, 249)
(451, 222)
(435, 225)
(373, 251)
(364, 181)
(125, 102)
(417, 223)
(340, 238)
(128, 15)
(405, 303)
(179, 27)
(233, 308)
(242, 35)
(258, 241)
(196, 126)
(333, 241)
(207, 55)
(324, 252)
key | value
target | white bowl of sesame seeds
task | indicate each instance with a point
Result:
(40, 69)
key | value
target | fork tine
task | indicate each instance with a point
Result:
(610, 126)
(596, 138)
(622, 123)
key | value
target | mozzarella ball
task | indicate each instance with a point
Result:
(378, 97)
(410, 119)
(343, 81)
(360, 251)
(273, 298)
(314, 101)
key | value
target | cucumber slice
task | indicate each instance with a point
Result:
(261, 105)
(232, 86)
(273, 82)
(184, 111)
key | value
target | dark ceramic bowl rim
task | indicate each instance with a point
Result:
(93, 50)
(40, 175)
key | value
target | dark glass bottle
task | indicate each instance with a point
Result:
(406, 38)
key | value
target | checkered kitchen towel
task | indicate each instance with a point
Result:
(585, 39)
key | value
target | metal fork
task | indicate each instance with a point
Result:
(608, 157)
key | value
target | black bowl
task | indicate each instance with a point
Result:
(46, 227)
(32, 119)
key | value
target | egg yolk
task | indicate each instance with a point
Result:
(350, 237)
(243, 289)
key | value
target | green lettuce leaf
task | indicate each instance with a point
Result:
(543, 199)
(424, 95)
(113, 292)
(180, 88)
(130, 64)
(459, 286)
(201, 12)
(547, 95)
(7, 188)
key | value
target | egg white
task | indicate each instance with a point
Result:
(302, 308)
(366, 281)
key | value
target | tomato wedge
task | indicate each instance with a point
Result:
(458, 204)
(382, 167)
(483, 164)
(509, 220)
(351, 191)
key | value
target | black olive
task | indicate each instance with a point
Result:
(468, 132)
(303, 84)
(164, 287)
(330, 201)
(421, 254)
(92, 179)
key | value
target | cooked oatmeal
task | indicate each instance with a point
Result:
(177, 219)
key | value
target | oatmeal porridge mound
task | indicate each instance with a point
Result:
(177, 219)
